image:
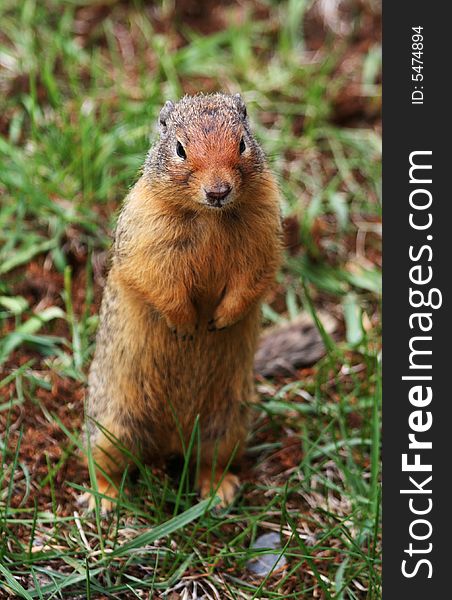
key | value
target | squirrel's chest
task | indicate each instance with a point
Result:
(213, 264)
(211, 273)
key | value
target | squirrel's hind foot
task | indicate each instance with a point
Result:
(106, 505)
(225, 487)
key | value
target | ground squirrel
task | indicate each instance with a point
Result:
(197, 246)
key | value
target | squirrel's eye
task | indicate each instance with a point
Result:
(180, 150)
(242, 146)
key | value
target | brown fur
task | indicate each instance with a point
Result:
(181, 309)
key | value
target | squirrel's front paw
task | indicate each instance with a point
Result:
(184, 332)
(212, 325)
(182, 322)
(224, 317)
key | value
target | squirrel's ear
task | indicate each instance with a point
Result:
(164, 114)
(240, 105)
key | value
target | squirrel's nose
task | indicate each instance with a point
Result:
(217, 193)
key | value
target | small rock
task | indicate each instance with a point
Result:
(285, 348)
(263, 564)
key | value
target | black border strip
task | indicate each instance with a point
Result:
(423, 512)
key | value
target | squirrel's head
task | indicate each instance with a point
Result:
(206, 155)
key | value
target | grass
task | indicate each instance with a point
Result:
(81, 87)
